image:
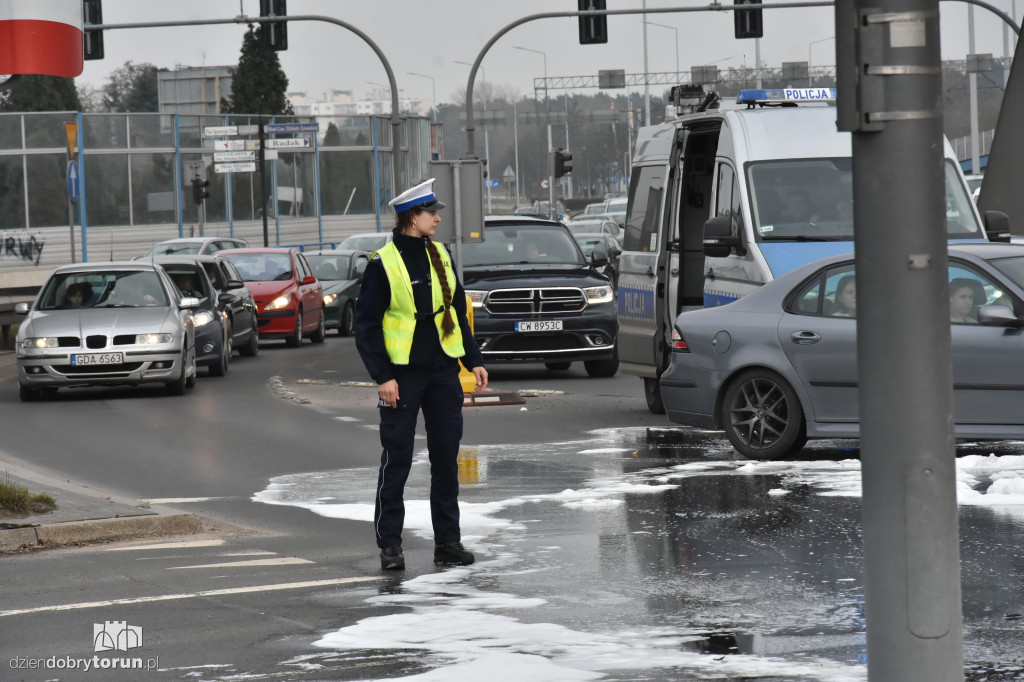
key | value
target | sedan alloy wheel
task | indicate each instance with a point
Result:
(762, 416)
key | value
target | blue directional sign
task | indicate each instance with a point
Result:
(492, 182)
(277, 128)
(73, 180)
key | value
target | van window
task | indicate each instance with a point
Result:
(645, 191)
(728, 202)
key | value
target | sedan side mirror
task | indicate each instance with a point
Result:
(997, 226)
(21, 309)
(309, 279)
(719, 241)
(226, 299)
(189, 302)
(998, 316)
(234, 284)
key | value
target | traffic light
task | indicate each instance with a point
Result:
(563, 163)
(274, 36)
(199, 190)
(748, 21)
(593, 30)
(92, 13)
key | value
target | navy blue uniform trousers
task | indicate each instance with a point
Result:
(438, 392)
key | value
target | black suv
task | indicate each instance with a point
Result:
(536, 298)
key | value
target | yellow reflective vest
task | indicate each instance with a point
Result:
(400, 317)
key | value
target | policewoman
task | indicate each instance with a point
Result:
(411, 332)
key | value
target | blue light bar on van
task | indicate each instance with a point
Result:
(794, 95)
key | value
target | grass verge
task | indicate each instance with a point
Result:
(17, 500)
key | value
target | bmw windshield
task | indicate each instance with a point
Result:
(812, 200)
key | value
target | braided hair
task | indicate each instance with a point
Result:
(403, 220)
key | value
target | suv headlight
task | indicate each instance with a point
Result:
(152, 339)
(602, 294)
(40, 342)
(477, 297)
(202, 318)
(279, 302)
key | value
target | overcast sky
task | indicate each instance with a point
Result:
(431, 37)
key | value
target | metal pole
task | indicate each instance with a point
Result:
(263, 183)
(647, 86)
(552, 213)
(568, 178)
(890, 99)
(972, 79)
(457, 200)
(515, 133)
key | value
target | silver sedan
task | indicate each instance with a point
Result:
(106, 324)
(779, 365)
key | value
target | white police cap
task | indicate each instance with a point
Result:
(420, 196)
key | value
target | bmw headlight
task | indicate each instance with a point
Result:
(601, 294)
(330, 298)
(280, 302)
(152, 339)
(202, 318)
(477, 297)
(40, 342)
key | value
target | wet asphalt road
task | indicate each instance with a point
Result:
(610, 545)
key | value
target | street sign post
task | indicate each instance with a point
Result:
(286, 142)
(236, 167)
(219, 131)
(73, 192)
(234, 156)
(462, 183)
(278, 128)
(73, 180)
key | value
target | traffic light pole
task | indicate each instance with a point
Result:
(713, 7)
(552, 211)
(396, 121)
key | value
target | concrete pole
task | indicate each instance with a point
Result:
(911, 556)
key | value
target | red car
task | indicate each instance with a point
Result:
(289, 298)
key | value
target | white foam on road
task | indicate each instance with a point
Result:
(484, 635)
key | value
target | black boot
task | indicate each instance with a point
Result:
(391, 558)
(452, 553)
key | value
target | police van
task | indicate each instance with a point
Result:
(722, 201)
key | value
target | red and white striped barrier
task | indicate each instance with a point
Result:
(41, 37)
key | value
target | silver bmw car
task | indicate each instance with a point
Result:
(106, 324)
(779, 365)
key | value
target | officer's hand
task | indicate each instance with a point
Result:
(481, 378)
(389, 392)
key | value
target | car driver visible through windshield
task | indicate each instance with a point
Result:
(812, 200)
(519, 245)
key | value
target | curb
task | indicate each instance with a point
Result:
(77, 532)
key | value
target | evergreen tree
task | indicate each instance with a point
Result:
(258, 84)
(41, 93)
